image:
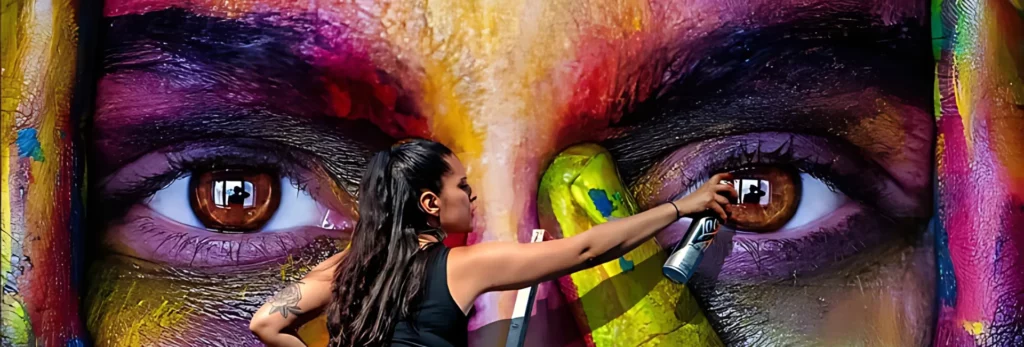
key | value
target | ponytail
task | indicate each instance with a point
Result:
(378, 282)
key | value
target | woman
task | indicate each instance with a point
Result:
(397, 284)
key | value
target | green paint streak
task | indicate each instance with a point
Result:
(16, 328)
(938, 34)
(966, 35)
(937, 99)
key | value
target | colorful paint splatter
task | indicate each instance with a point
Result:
(892, 125)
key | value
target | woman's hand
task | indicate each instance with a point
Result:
(712, 196)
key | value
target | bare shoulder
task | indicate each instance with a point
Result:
(479, 250)
(325, 270)
(469, 266)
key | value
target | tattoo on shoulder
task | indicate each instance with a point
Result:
(287, 300)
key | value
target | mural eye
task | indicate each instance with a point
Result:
(802, 199)
(222, 210)
(774, 198)
(235, 200)
(239, 201)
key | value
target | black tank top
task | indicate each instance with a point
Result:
(439, 321)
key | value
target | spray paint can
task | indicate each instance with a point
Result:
(683, 260)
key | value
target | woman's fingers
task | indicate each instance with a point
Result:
(718, 209)
(718, 178)
(728, 189)
(721, 199)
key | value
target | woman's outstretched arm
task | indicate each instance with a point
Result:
(507, 265)
(277, 321)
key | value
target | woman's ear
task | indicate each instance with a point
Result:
(429, 203)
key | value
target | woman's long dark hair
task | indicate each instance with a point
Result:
(378, 281)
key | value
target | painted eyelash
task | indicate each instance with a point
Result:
(745, 156)
(177, 242)
(741, 158)
(864, 186)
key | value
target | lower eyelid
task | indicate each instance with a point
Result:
(148, 236)
(846, 210)
(814, 246)
(844, 235)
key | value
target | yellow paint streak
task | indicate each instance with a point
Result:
(940, 152)
(962, 96)
(124, 302)
(11, 48)
(1002, 84)
(245, 290)
(285, 267)
(314, 333)
(976, 329)
(879, 134)
(14, 320)
(454, 39)
(635, 308)
(151, 325)
(5, 199)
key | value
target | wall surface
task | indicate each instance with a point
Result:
(889, 132)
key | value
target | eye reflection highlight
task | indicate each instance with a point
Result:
(769, 197)
(234, 200)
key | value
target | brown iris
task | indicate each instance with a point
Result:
(769, 197)
(234, 200)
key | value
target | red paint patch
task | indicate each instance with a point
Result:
(607, 85)
(51, 301)
(357, 90)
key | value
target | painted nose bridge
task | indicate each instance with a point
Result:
(506, 205)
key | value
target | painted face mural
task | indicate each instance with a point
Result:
(224, 141)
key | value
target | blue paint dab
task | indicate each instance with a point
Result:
(626, 265)
(947, 278)
(28, 144)
(601, 202)
(75, 342)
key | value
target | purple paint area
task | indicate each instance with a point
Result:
(829, 159)
(881, 213)
(257, 69)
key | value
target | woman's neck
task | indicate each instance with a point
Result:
(426, 239)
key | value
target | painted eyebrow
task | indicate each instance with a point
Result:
(175, 41)
(341, 146)
(844, 54)
(257, 50)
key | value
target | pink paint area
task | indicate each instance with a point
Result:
(124, 7)
(983, 214)
(602, 85)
